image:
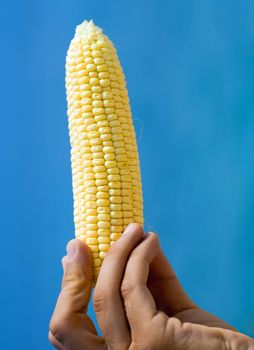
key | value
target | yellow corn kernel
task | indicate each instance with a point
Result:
(105, 165)
(102, 255)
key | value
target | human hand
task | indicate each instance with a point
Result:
(138, 302)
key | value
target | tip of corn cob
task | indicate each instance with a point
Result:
(87, 28)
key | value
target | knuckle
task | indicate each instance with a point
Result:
(72, 272)
(58, 330)
(74, 283)
(74, 279)
(100, 298)
(127, 288)
(54, 341)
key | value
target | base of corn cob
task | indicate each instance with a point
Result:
(105, 165)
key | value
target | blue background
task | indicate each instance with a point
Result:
(190, 73)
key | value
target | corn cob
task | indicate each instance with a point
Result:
(105, 165)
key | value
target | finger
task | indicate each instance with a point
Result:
(77, 280)
(171, 298)
(70, 327)
(138, 300)
(168, 293)
(107, 298)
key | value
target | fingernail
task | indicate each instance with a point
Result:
(128, 229)
(71, 250)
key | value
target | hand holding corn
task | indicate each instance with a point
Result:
(138, 301)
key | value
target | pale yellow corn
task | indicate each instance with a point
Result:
(105, 165)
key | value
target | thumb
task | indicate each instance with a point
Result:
(77, 279)
(68, 316)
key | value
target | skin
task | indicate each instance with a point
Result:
(138, 301)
